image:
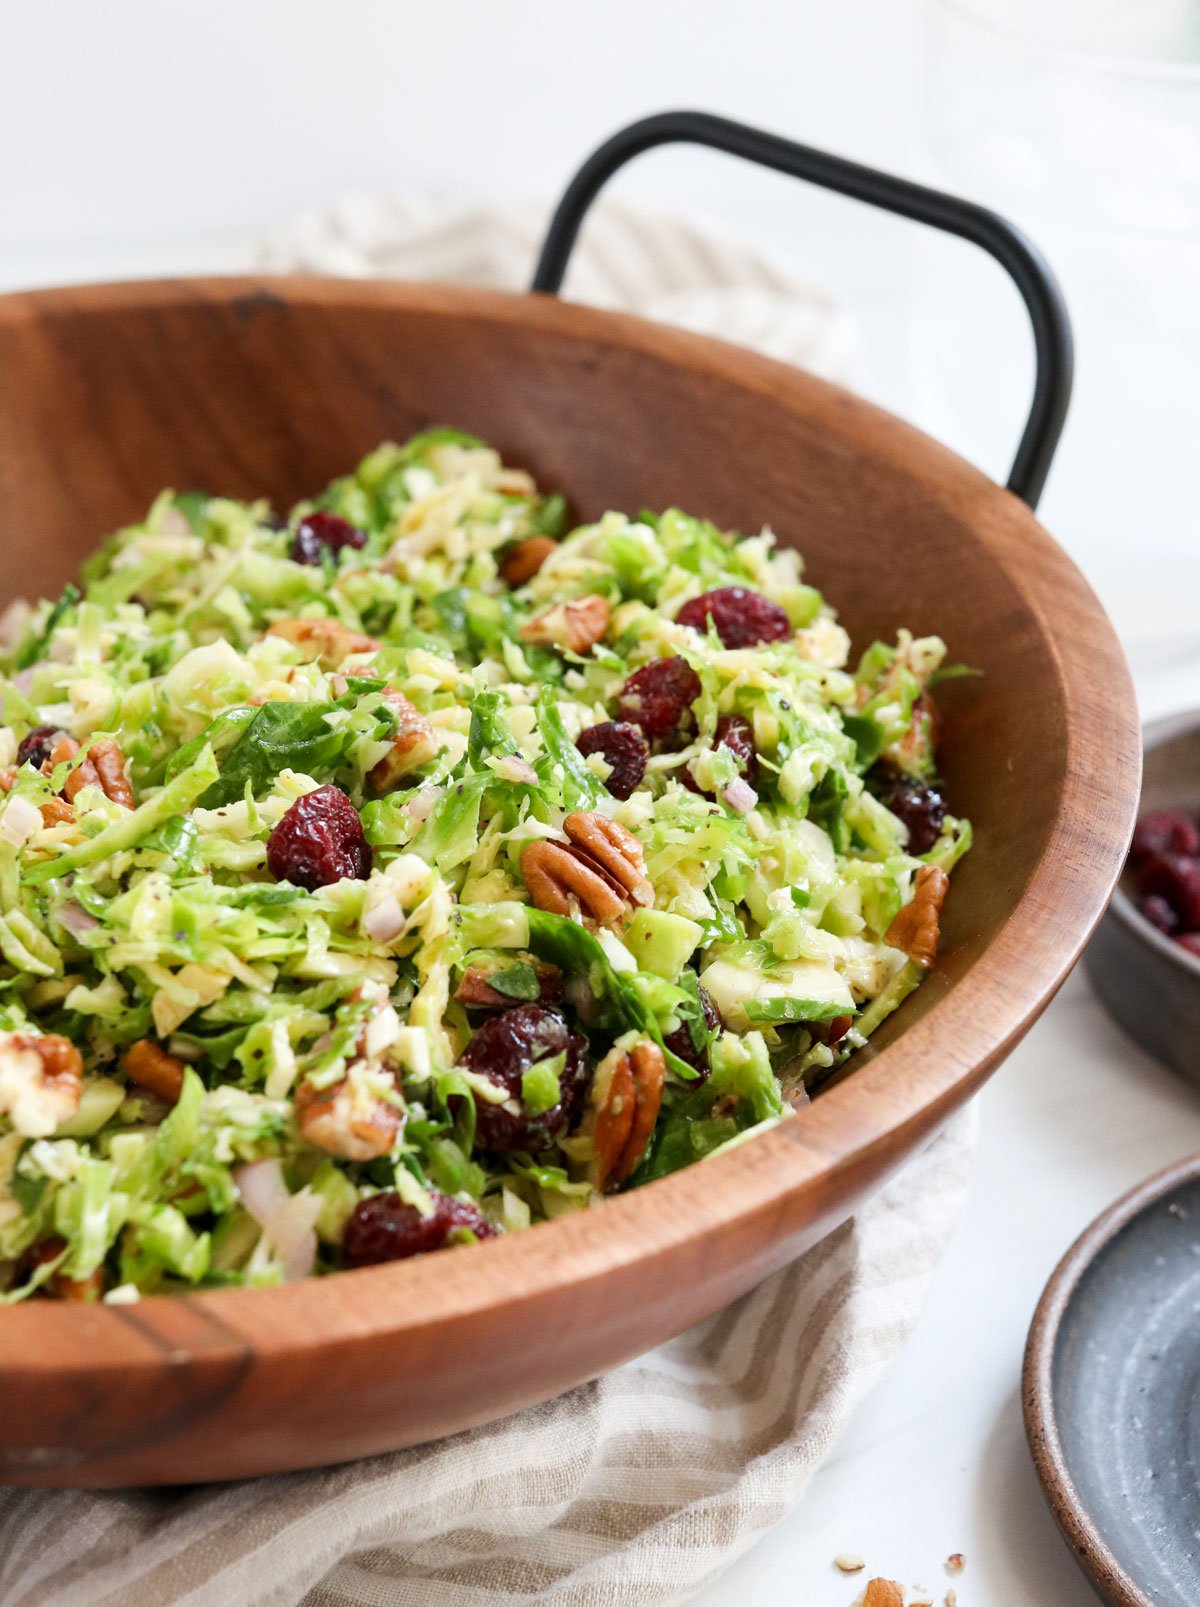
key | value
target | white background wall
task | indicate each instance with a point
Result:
(151, 136)
(143, 136)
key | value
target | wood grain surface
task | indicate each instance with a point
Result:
(247, 388)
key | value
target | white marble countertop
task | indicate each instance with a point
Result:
(935, 1460)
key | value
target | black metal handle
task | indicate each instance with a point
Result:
(1016, 254)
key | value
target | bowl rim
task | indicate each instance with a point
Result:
(1037, 1381)
(896, 1096)
(1158, 734)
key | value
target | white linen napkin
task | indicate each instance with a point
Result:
(641, 1487)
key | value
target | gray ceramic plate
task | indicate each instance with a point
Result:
(1112, 1394)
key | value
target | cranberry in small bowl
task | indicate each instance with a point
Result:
(1144, 961)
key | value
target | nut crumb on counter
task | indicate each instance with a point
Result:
(955, 1562)
(848, 1562)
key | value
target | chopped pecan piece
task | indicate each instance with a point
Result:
(56, 811)
(626, 1099)
(109, 763)
(41, 1079)
(523, 560)
(152, 1068)
(103, 766)
(516, 482)
(348, 1120)
(85, 774)
(831, 1032)
(414, 744)
(572, 627)
(58, 1286)
(327, 640)
(617, 852)
(476, 991)
(916, 749)
(915, 929)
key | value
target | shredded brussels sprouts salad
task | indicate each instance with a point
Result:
(413, 870)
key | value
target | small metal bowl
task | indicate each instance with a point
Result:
(1147, 983)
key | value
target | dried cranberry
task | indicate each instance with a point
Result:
(319, 841)
(920, 806)
(1177, 880)
(387, 1228)
(1159, 913)
(1191, 942)
(624, 750)
(659, 699)
(1165, 831)
(743, 618)
(36, 748)
(503, 1050)
(319, 533)
(681, 1043)
(736, 734)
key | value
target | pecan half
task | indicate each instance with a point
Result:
(414, 744)
(915, 928)
(348, 1120)
(572, 627)
(327, 640)
(565, 884)
(615, 850)
(523, 560)
(151, 1067)
(626, 1099)
(41, 1083)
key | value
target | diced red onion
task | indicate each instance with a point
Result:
(173, 523)
(385, 921)
(190, 1052)
(20, 820)
(513, 768)
(12, 623)
(420, 806)
(286, 1219)
(76, 919)
(740, 795)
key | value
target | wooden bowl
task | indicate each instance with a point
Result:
(250, 387)
(1148, 983)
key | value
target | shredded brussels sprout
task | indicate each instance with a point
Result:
(523, 970)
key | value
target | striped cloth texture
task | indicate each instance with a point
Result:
(641, 1487)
